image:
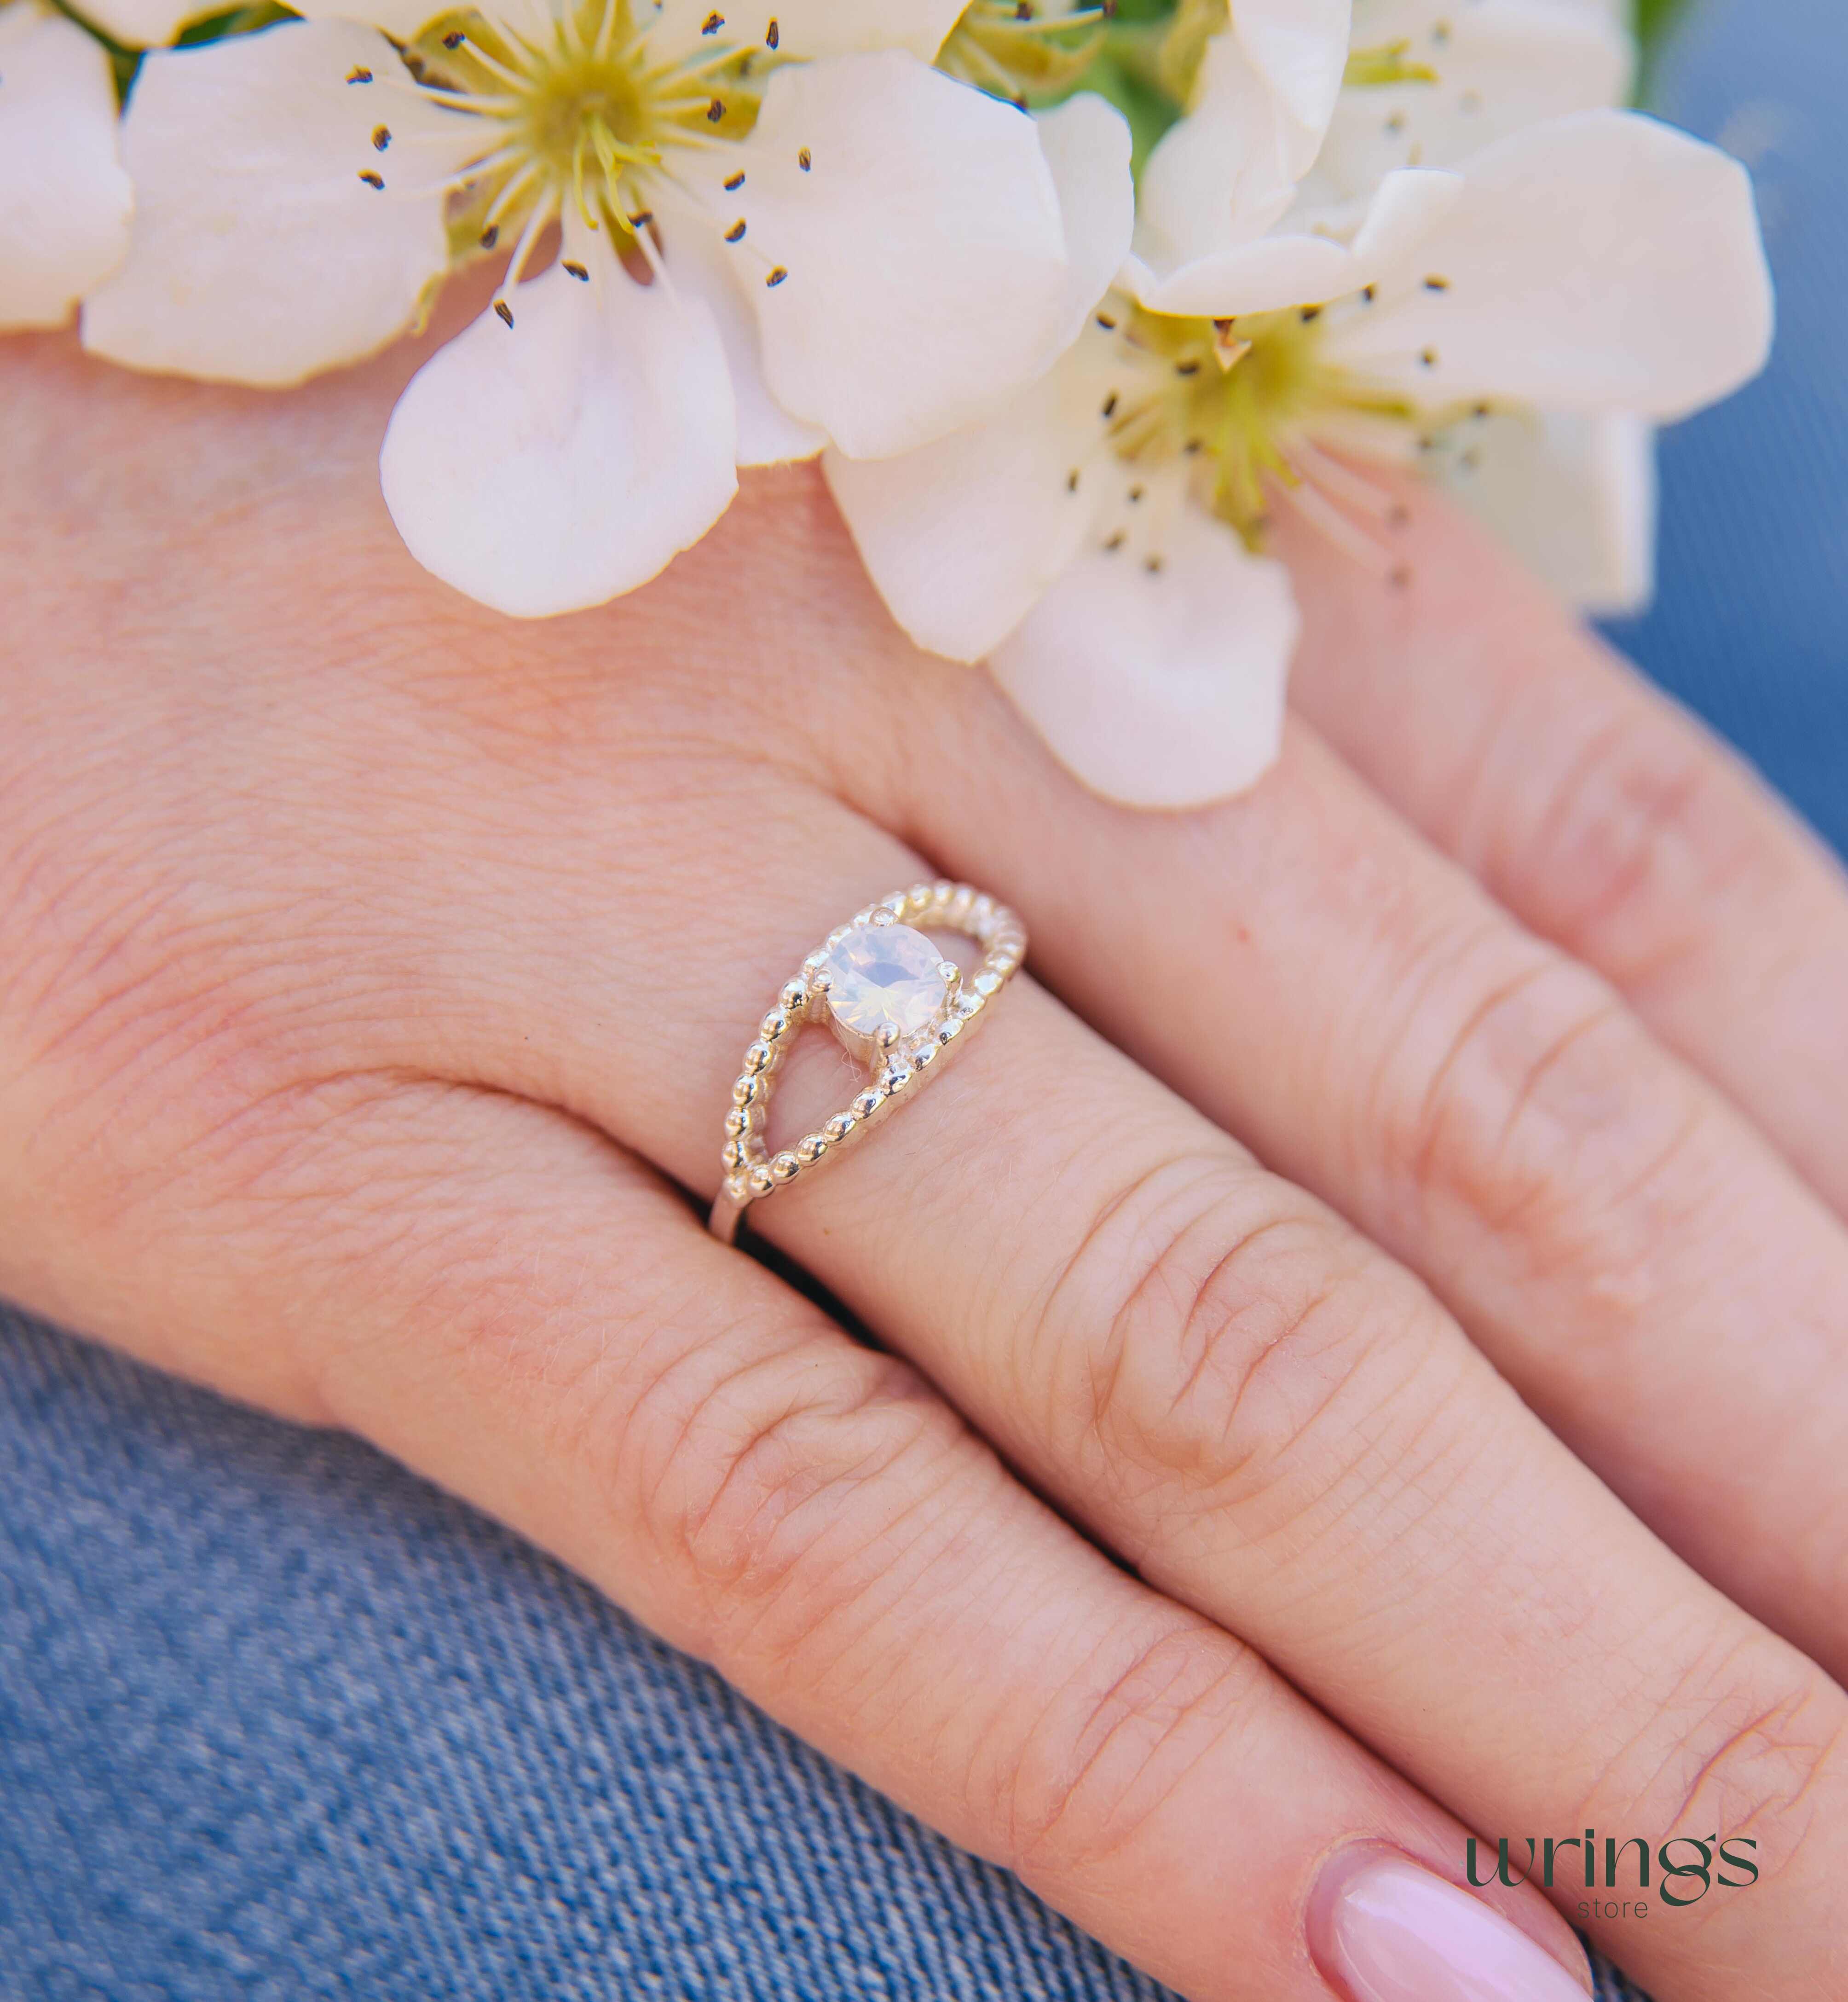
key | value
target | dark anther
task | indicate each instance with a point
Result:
(505, 310)
(734, 182)
(735, 234)
(715, 111)
(1369, 293)
(359, 74)
(772, 34)
(1434, 284)
(1310, 313)
(1023, 10)
(776, 277)
(804, 159)
(1136, 493)
(1108, 325)
(1071, 481)
(372, 179)
(1110, 405)
(1480, 410)
(490, 236)
(641, 219)
(576, 270)
(1114, 543)
(1186, 368)
(1192, 445)
(712, 24)
(455, 39)
(381, 138)
(1428, 356)
(1152, 564)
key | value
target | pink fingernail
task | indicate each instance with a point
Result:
(1383, 1930)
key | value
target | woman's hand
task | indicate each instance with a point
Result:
(373, 967)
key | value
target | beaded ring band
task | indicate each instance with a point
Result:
(895, 1003)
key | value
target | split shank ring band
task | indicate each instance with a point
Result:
(893, 999)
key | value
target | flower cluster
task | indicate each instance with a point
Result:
(1071, 299)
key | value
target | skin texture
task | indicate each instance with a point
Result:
(1407, 1250)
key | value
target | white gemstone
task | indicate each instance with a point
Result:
(879, 974)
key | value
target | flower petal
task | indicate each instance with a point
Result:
(63, 224)
(925, 256)
(1087, 145)
(1159, 689)
(962, 537)
(1574, 497)
(1500, 65)
(1299, 48)
(1225, 173)
(699, 262)
(551, 464)
(401, 19)
(1598, 262)
(809, 29)
(1299, 268)
(146, 24)
(259, 254)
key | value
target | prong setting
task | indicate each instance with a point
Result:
(899, 1012)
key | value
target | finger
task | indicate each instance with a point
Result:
(497, 1297)
(1270, 1420)
(1648, 1273)
(1603, 816)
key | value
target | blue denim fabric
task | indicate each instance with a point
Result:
(279, 1722)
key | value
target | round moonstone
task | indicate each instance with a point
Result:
(884, 973)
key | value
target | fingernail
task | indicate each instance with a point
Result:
(1383, 1930)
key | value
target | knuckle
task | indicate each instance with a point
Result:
(1529, 1096)
(1244, 1330)
(783, 1480)
(1748, 1743)
(1106, 1758)
(1628, 861)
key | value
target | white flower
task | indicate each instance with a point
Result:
(1428, 83)
(146, 24)
(776, 225)
(1094, 543)
(65, 201)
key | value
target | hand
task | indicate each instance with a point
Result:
(376, 967)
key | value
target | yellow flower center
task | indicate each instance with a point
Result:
(577, 119)
(1238, 397)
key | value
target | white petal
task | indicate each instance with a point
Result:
(146, 24)
(259, 255)
(963, 536)
(1598, 262)
(1216, 177)
(1574, 497)
(65, 200)
(1086, 145)
(1297, 268)
(1299, 47)
(1165, 689)
(925, 254)
(401, 19)
(1501, 65)
(551, 464)
(701, 264)
(808, 29)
